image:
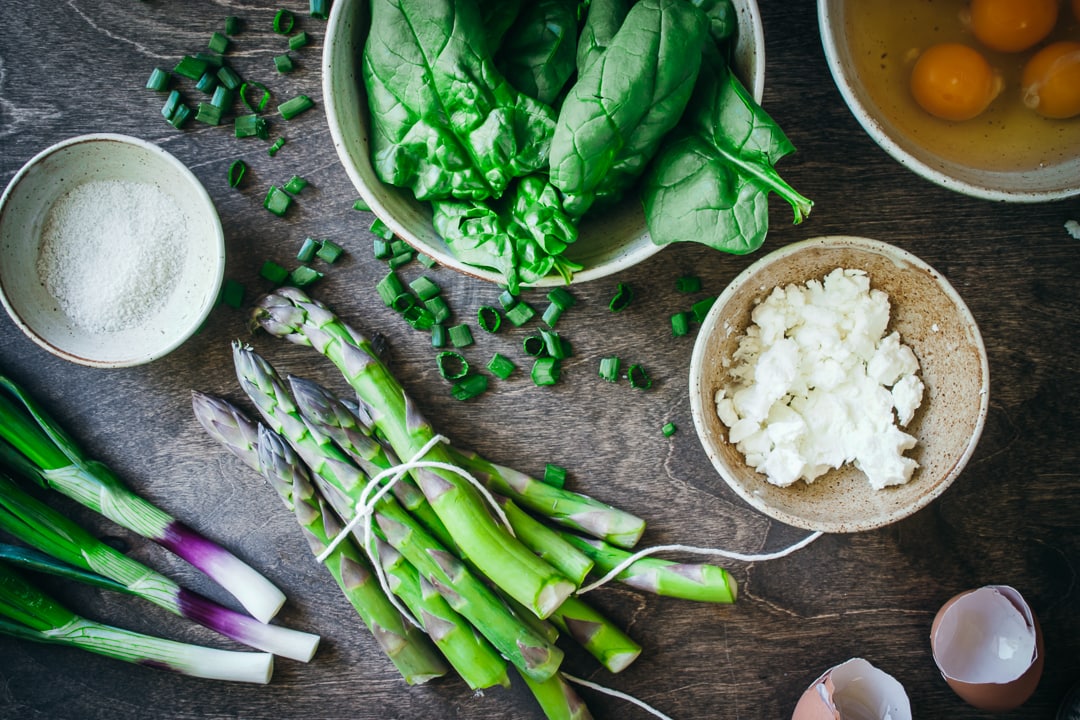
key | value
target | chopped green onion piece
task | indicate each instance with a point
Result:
(251, 126)
(680, 323)
(624, 295)
(222, 98)
(303, 276)
(232, 293)
(688, 284)
(180, 116)
(277, 145)
(424, 288)
(277, 201)
(403, 302)
(228, 77)
(320, 9)
(237, 169)
(554, 475)
(172, 102)
(283, 22)
(380, 229)
(402, 259)
(298, 40)
(389, 288)
(293, 107)
(425, 260)
(554, 345)
(264, 99)
(361, 205)
(158, 80)
(207, 82)
(551, 314)
(419, 317)
(460, 336)
(295, 184)
(329, 251)
(609, 368)
(639, 378)
(561, 297)
(501, 366)
(534, 346)
(520, 314)
(545, 371)
(307, 251)
(381, 249)
(190, 67)
(439, 309)
(212, 60)
(452, 365)
(488, 318)
(438, 336)
(669, 429)
(469, 387)
(218, 43)
(507, 299)
(283, 64)
(232, 25)
(701, 308)
(274, 272)
(400, 247)
(208, 114)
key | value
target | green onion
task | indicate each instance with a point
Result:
(293, 107)
(298, 40)
(207, 82)
(501, 366)
(228, 77)
(520, 314)
(419, 317)
(639, 379)
(222, 98)
(320, 9)
(424, 288)
(403, 302)
(218, 43)
(277, 145)
(669, 429)
(545, 371)
(425, 260)
(190, 67)
(180, 116)
(329, 251)
(172, 102)
(295, 184)
(551, 314)
(400, 247)
(277, 201)
(264, 99)
(158, 80)
(232, 293)
(554, 475)
(307, 250)
(624, 295)
(680, 323)
(488, 318)
(469, 387)
(534, 346)
(212, 60)
(303, 276)
(460, 336)
(208, 114)
(380, 229)
(438, 336)
(251, 126)
(439, 309)
(452, 365)
(381, 249)
(401, 259)
(390, 288)
(237, 169)
(274, 272)
(507, 299)
(701, 308)
(555, 345)
(361, 205)
(232, 25)
(283, 22)
(609, 368)
(283, 64)
(688, 284)
(561, 297)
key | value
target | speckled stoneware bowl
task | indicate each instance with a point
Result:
(930, 317)
(24, 209)
(607, 244)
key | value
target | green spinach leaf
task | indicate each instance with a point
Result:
(538, 53)
(603, 20)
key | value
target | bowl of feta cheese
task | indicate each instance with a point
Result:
(839, 384)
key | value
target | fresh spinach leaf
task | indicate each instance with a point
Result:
(538, 54)
(602, 21)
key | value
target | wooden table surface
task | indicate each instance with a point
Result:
(1011, 518)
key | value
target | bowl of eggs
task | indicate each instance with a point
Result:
(979, 96)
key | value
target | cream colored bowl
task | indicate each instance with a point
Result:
(25, 209)
(931, 318)
(607, 244)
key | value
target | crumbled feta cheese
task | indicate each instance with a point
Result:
(1073, 228)
(817, 383)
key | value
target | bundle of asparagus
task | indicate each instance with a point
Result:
(485, 559)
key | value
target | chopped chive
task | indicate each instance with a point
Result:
(688, 284)
(438, 335)
(283, 64)
(303, 276)
(460, 335)
(222, 98)
(361, 205)
(381, 249)
(520, 313)
(701, 308)
(403, 302)
(237, 169)
(401, 259)
(228, 77)
(501, 366)
(232, 293)
(264, 99)
(212, 60)
(172, 102)
(545, 371)
(390, 288)
(469, 387)
(452, 365)
(158, 80)
(232, 25)
(190, 67)
(208, 114)
(283, 22)
(419, 317)
(680, 323)
(438, 307)
(380, 229)
(624, 295)
(277, 145)
(669, 429)
(251, 126)
(507, 299)
(424, 288)
(329, 251)
(609, 368)
(277, 201)
(274, 272)
(295, 184)
(534, 346)
(488, 319)
(298, 40)
(639, 379)
(554, 475)
(551, 314)
(307, 250)
(294, 106)
(207, 82)
(400, 247)
(561, 297)
(319, 9)
(554, 345)
(425, 260)
(180, 116)
(219, 43)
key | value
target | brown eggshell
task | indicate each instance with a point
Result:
(995, 697)
(811, 706)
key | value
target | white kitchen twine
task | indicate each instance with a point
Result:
(375, 490)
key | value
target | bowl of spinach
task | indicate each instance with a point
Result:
(535, 144)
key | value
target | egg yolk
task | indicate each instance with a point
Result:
(1050, 84)
(953, 81)
(1012, 25)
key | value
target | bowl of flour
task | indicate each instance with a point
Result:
(113, 253)
(839, 384)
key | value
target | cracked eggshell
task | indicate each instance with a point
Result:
(854, 690)
(988, 646)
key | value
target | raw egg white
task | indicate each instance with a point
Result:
(1051, 80)
(1012, 25)
(953, 81)
(854, 690)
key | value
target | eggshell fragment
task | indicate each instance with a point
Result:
(854, 690)
(989, 647)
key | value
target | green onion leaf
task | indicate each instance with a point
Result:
(507, 299)
(546, 371)
(295, 184)
(222, 98)
(438, 308)
(207, 82)
(293, 107)
(320, 9)
(307, 250)
(180, 116)
(158, 80)
(228, 78)
(283, 64)
(460, 336)
(380, 229)
(298, 40)
(554, 475)
(534, 346)
(277, 145)
(554, 345)
(551, 314)
(561, 297)
(303, 276)
(624, 295)
(190, 67)
(488, 319)
(452, 365)
(361, 205)
(609, 368)
(701, 308)
(213, 60)
(237, 169)
(232, 293)
(688, 284)
(424, 288)
(381, 249)
(172, 102)
(438, 336)
(669, 429)
(469, 387)
(390, 288)
(401, 259)
(218, 43)
(251, 126)
(419, 317)
(520, 314)
(264, 99)
(274, 272)
(639, 379)
(329, 251)
(680, 323)
(232, 25)
(501, 366)
(277, 201)
(283, 22)
(208, 114)
(425, 260)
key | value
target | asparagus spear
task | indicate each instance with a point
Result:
(32, 615)
(291, 314)
(557, 699)
(597, 634)
(40, 526)
(38, 446)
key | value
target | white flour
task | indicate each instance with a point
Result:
(112, 252)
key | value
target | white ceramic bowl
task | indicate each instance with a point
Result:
(1049, 181)
(612, 242)
(931, 318)
(47, 180)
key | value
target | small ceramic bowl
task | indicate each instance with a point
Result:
(1036, 178)
(607, 244)
(157, 311)
(931, 319)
